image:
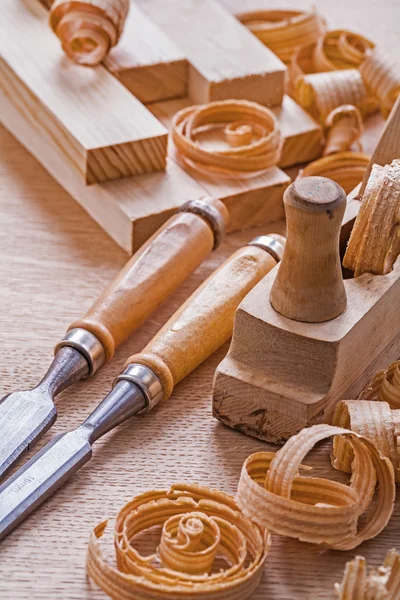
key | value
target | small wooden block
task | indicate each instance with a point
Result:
(302, 135)
(147, 62)
(282, 375)
(102, 130)
(226, 61)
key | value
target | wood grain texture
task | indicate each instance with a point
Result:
(226, 61)
(102, 131)
(46, 248)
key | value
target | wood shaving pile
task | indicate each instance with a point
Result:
(374, 243)
(88, 29)
(385, 386)
(341, 49)
(199, 526)
(346, 168)
(316, 510)
(251, 131)
(382, 583)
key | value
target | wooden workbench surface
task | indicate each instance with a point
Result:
(53, 261)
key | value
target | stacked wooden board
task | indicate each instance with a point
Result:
(107, 149)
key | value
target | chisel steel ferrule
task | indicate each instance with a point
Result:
(87, 344)
(146, 380)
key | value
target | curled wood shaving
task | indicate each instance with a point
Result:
(321, 93)
(341, 49)
(385, 386)
(199, 525)
(374, 243)
(302, 63)
(284, 31)
(374, 420)
(250, 129)
(346, 168)
(379, 584)
(317, 510)
(88, 29)
(382, 77)
(345, 128)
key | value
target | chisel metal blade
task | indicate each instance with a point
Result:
(42, 476)
(25, 416)
(66, 453)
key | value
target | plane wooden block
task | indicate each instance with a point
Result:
(303, 137)
(102, 130)
(226, 61)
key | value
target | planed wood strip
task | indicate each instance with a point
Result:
(104, 132)
(226, 61)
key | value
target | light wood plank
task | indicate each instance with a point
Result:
(131, 209)
(226, 61)
(103, 131)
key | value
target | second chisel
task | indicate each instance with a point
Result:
(198, 328)
(152, 274)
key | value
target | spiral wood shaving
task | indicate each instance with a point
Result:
(382, 583)
(344, 129)
(374, 243)
(199, 525)
(317, 510)
(382, 76)
(374, 420)
(321, 93)
(250, 129)
(284, 31)
(385, 386)
(346, 168)
(341, 49)
(88, 29)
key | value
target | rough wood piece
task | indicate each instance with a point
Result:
(281, 375)
(102, 131)
(309, 284)
(302, 136)
(147, 62)
(226, 62)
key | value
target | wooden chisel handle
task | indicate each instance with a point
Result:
(205, 321)
(154, 272)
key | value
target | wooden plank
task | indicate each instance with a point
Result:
(131, 209)
(104, 132)
(226, 61)
(303, 137)
(145, 60)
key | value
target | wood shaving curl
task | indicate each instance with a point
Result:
(199, 525)
(251, 130)
(341, 49)
(346, 168)
(284, 31)
(382, 583)
(382, 77)
(374, 420)
(88, 29)
(385, 386)
(317, 510)
(345, 128)
(374, 243)
(321, 93)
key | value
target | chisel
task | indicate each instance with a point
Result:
(198, 328)
(153, 273)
